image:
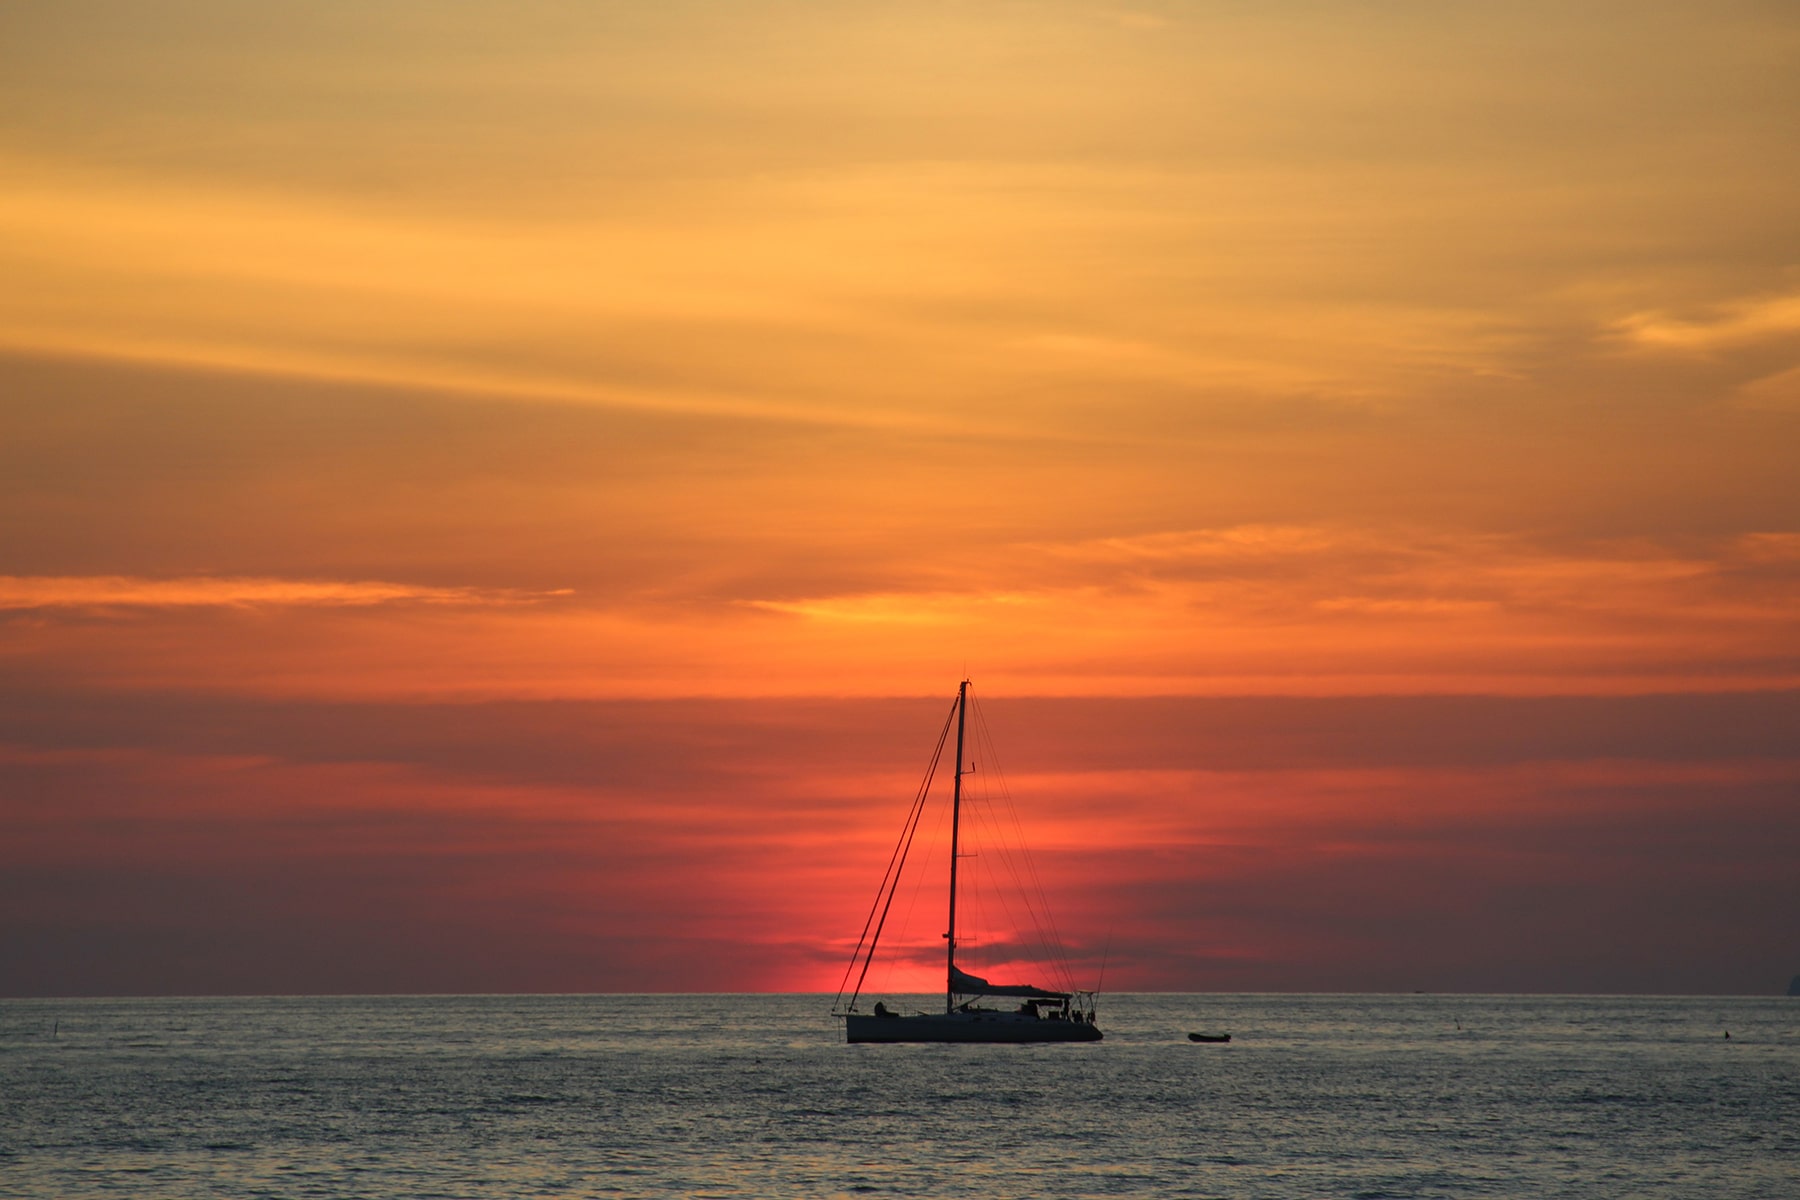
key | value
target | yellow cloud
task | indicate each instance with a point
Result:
(1729, 325)
(123, 591)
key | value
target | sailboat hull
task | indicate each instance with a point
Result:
(1045, 1015)
(966, 1027)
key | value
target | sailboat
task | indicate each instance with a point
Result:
(971, 1013)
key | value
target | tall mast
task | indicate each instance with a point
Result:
(962, 708)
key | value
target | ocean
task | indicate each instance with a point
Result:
(732, 1096)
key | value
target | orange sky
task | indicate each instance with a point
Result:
(412, 418)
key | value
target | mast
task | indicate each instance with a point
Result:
(962, 707)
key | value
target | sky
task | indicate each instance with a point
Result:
(499, 497)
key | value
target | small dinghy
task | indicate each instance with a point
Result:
(1209, 1037)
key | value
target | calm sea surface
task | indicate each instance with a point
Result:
(1354, 1096)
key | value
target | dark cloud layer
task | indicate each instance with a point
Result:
(628, 741)
(196, 844)
(394, 398)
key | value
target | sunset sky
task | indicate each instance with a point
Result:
(498, 497)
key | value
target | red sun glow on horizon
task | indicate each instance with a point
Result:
(493, 508)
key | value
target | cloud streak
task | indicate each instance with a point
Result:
(1731, 325)
(1253, 844)
(514, 477)
(1313, 611)
(116, 591)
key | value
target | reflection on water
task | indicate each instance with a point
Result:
(758, 1096)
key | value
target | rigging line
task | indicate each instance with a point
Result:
(917, 803)
(920, 877)
(891, 884)
(875, 941)
(989, 834)
(891, 881)
(1036, 943)
(1037, 901)
(1057, 947)
(896, 860)
(887, 876)
(1031, 943)
(1021, 940)
(995, 833)
(888, 881)
(1031, 893)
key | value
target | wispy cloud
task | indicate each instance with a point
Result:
(1299, 607)
(1234, 543)
(1727, 326)
(203, 591)
(1778, 391)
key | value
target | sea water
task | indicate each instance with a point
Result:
(499, 1096)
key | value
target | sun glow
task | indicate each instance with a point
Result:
(532, 475)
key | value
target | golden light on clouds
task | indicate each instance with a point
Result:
(447, 366)
(114, 591)
(1252, 610)
(1011, 219)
